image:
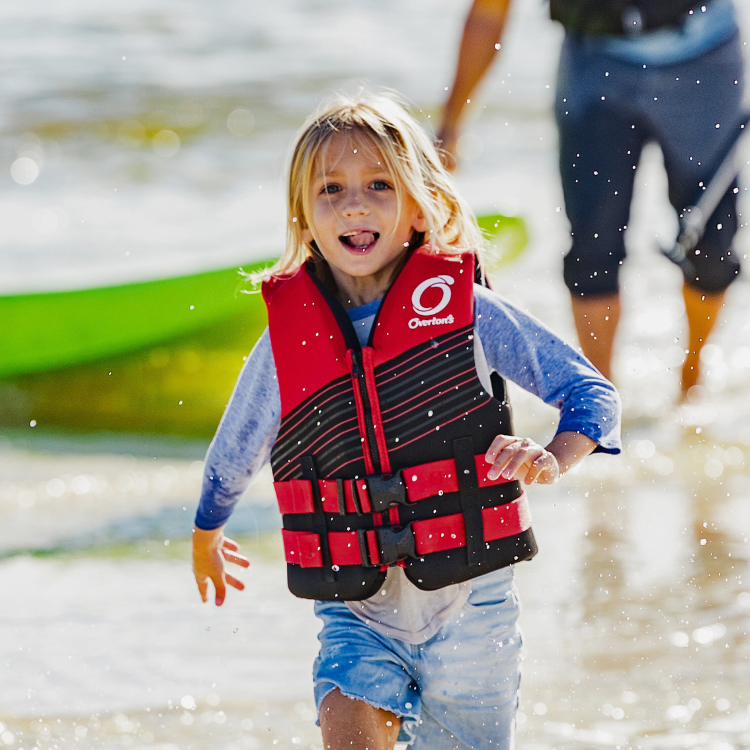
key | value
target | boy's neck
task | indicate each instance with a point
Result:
(355, 291)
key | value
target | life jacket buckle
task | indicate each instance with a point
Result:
(386, 490)
(396, 543)
(393, 544)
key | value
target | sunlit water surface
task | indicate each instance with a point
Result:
(636, 609)
(638, 604)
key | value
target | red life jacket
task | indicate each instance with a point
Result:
(379, 459)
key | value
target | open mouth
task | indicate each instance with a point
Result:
(360, 240)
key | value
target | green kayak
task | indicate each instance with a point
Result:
(157, 356)
(57, 329)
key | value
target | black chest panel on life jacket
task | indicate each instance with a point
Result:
(629, 17)
(379, 457)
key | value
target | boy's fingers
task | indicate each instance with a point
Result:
(500, 442)
(221, 590)
(202, 588)
(516, 473)
(230, 544)
(521, 459)
(546, 464)
(524, 455)
(236, 583)
(240, 560)
(516, 459)
(533, 473)
(509, 458)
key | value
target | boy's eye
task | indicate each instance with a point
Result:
(380, 185)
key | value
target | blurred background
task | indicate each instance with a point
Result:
(142, 155)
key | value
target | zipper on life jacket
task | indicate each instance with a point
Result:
(358, 371)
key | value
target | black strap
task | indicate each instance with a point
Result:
(341, 496)
(468, 487)
(499, 392)
(355, 497)
(309, 472)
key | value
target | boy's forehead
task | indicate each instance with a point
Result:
(340, 145)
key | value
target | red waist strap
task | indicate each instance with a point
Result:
(431, 535)
(353, 496)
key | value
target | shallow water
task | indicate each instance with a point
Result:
(125, 116)
(637, 607)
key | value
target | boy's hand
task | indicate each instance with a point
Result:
(524, 460)
(521, 459)
(210, 550)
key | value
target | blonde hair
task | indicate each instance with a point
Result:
(410, 157)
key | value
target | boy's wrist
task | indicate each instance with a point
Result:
(568, 448)
(208, 537)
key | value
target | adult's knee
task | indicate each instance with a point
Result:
(712, 270)
(715, 265)
(592, 273)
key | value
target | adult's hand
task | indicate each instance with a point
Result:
(446, 140)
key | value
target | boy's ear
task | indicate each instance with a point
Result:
(419, 224)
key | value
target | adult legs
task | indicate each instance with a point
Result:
(600, 144)
(596, 320)
(715, 268)
(691, 109)
(702, 310)
(692, 148)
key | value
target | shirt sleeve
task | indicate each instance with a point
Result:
(520, 348)
(242, 444)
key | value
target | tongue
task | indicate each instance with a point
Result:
(361, 239)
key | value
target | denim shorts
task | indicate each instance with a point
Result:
(607, 110)
(457, 690)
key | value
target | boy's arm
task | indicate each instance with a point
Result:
(523, 350)
(241, 447)
(243, 441)
(526, 461)
(479, 43)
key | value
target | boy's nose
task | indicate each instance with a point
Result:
(355, 205)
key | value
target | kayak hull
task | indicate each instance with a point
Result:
(48, 331)
(157, 357)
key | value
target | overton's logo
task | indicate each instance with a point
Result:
(443, 283)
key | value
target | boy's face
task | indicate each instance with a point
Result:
(359, 223)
